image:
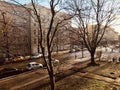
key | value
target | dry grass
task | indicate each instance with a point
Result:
(75, 82)
(109, 68)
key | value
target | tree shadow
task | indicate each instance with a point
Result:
(70, 72)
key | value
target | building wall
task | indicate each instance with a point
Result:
(45, 14)
(19, 29)
(34, 36)
(14, 30)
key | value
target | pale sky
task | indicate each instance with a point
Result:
(42, 2)
(116, 24)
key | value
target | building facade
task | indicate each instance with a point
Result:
(15, 22)
(19, 30)
(61, 38)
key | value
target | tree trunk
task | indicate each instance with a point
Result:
(52, 81)
(92, 58)
(51, 71)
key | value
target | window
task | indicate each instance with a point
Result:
(34, 32)
(25, 14)
(14, 12)
(39, 9)
(35, 41)
(25, 21)
(34, 24)
(17, 12)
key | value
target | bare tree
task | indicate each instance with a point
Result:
(52, 29)
(76, 40)
(5, 26)
(61, 39)
(92, 18)
(13, 31)
(55, 20)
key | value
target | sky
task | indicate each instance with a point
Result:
(42, 2)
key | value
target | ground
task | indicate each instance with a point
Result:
(74, 74)
(83, 77)
(106, 76)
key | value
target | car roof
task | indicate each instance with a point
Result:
(32, 62)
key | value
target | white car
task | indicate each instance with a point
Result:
(36, 56)
(34, 65)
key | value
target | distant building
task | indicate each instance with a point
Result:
(61, 38)
(19, 30)
(110, 34)
(15, 30)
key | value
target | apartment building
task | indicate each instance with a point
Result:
(61, 38)
(15, 30)
(19, 29)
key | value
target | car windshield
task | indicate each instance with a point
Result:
(29, 65)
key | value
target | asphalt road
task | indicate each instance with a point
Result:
(62, 57)
(19, 80)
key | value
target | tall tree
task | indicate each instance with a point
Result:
(92, 18)
(55, 21)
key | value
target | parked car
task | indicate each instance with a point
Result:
(18, 58)
(74, 50)
(5, 72)
(34, 65)
(7, 60)
(77, 49)
(36, 56)
(26, 57)
(12, 59)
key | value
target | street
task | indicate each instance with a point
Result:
(33, 75)
(67, 61)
